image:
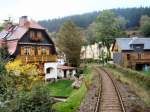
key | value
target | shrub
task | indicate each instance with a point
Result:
(37, 100)
(139, 77)
(77, 75)
(24, 75)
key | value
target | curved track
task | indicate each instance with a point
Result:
(109, 99)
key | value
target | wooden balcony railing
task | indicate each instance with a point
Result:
(139, 60)
(37, 59)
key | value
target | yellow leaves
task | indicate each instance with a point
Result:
(16, 67)
(26, 74)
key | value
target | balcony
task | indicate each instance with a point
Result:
(134, 58)
(37, 59)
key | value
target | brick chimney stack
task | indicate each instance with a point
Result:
(23, 20)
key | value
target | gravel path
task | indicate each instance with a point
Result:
(89, 102)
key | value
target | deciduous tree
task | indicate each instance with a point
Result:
(145, 25)
(70, 40)
(108, 27)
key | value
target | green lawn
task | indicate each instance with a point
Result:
(74, 100)
(61, 88)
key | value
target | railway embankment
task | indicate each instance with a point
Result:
(89, 102)
(134, 87)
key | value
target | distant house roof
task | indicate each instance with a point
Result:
(14, 32)
(66, 68)
(124, 43)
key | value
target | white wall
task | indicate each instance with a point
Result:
(92, 51)
(74, 72)
(60, 73)
(53, 72)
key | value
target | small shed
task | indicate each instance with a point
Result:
(66, 71)
(54, 71)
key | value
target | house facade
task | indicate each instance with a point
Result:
(132, 52)
(91, 51)
(29, 42)
(94, 52)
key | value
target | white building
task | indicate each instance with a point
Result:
(94, 51)
(50, 70)
(58, 70)
(66, 71)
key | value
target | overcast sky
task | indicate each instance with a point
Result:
(48, 9)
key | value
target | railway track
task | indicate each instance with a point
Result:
(109, 98)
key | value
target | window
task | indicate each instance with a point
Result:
(139, 56)
(35, 35)
(128, 57)
(39, 35)
(44, 51)
(27, 51)
(48, 70)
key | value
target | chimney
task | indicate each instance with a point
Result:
(23, 20)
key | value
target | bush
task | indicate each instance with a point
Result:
(139, 83)
(37, 100)
(139, 77)
(7, 90)
(77, 75)
(24, 75)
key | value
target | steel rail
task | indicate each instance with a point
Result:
(117, 90)
(99, 94)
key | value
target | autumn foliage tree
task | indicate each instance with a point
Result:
(25, 74)
(69, 41)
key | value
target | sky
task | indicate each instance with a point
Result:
(49, 9)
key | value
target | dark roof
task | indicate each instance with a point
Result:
(124, 43)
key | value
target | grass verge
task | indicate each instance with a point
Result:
(137, 81)
(74, 100)
(61, 88)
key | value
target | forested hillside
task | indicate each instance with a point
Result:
(132, 15)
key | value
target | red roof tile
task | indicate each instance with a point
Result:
(33, 24)
(12, 45)
(1, 42)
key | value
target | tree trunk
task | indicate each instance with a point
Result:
(85, 53)
(108, 53)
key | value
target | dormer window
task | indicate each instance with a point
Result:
(137, 47)
(35, 35)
